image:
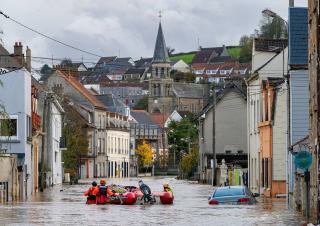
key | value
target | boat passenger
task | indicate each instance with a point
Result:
(91, 199)
(167, 188)
(102, 192)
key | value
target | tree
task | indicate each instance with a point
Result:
(181, 136)
(183, 77)
(246, 43)
(142, 104)
(77, 142)
(66, 62)
(45, 69)
(145, 154)
(189, 163)
(272, 28)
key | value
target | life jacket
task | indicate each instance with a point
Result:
(103, 190)
(102, 197)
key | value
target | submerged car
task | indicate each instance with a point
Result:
(232, 195)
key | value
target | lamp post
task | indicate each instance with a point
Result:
(107, 166)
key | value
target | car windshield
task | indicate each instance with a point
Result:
(228, 192)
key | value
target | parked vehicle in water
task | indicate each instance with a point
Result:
(232, 195)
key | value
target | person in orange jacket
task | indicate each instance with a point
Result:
(102, 192)
(91, 199)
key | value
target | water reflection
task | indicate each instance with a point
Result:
(64, 205)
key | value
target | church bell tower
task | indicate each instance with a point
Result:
(160, 84)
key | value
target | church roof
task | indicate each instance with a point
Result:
(160, 51)
(188, 90)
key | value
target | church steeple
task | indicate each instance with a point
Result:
(160, 54)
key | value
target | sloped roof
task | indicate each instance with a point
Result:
(298, 36)
(142, 117)
(139, 71)
(270, 45)
(160, 51)
(78, 86)
(143, 62)
(159, 118)
(188, 90)
(105, 60)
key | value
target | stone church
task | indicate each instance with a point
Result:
(165, 95)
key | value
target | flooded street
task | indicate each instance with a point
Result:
(65, 205)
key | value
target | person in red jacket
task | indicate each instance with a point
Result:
(102, 192)
(91, 199)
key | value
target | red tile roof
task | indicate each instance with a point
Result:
(159, 118)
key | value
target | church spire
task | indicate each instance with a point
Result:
(160, 54)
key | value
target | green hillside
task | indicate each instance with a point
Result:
(187, 57)
(234, 52)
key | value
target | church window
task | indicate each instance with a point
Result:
(162, 71)
(156, 71)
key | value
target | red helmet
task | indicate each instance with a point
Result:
(102, 181)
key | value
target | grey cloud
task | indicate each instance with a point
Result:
(105, 26)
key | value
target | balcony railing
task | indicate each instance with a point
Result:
(36, 121)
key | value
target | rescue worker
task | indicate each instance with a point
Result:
(167, 188)
(91, 199)
(102, 192)
(146, 191)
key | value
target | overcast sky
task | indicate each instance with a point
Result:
(107, 27)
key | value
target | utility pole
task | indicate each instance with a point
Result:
(314, 104)
(214, 135)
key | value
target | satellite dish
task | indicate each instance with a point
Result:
(303, 160)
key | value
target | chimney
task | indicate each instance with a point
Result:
(291, 3)
(18, 54)
(28, 59)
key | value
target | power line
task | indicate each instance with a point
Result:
(48, 37)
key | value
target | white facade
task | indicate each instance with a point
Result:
(253, 117)
(15, 96)
(118, 149)
(181, 66)
(280, 135)
(56, 122)
(265, 65)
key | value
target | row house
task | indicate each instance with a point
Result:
(97, 124)
(217, 73)
(222, 136)
(16, 127)
(299, 105)
(118, 145)
(269, 60)
(143, 128)
(66, 85)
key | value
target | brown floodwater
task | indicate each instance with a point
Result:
(65, 205)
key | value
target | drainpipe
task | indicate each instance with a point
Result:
(291, 3)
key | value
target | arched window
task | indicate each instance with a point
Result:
(162, 72)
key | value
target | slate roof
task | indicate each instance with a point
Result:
(139, 71)
(188, 90)
(78, 86)
(105, 60)
(160, 51)
(142, 117)
(270, 45)
(143, 63)
(298, 36)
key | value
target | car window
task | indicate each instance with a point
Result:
(228, 192)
